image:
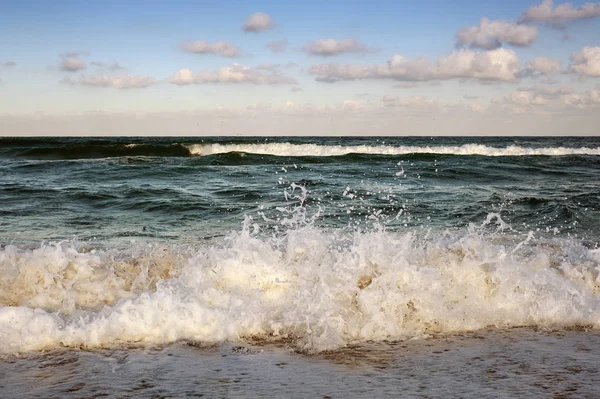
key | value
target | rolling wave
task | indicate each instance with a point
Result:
(302, 150)
(92, 151)
(283, 149)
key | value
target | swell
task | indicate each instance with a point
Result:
(92, 151)
(235, 151)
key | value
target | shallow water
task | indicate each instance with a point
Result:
(490, 363)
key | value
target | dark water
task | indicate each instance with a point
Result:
(109, 189)
(151, 255)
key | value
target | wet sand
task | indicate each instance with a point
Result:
(519, 362)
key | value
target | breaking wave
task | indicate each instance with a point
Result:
(317, 288)
(283, 149)
(301, 150)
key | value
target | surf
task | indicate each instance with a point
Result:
(316, 288)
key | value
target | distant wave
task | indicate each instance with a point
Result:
(301, 150)
(91, 151)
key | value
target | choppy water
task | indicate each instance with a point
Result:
(317, 244)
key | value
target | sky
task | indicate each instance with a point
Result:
(69, 67)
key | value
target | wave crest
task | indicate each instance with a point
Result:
(319, 288)
(301, 150)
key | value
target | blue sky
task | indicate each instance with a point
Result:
(146, 41)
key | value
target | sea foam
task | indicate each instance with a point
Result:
(317, 288)
(299, 150)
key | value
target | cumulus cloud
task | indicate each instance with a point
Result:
(277, 46)
(8, 64)
(72, 64)
(234, 73)
(490, 35)
(494, 65)
(540, 66)
(222, 48)
(258, 22)
(114, 81)
(586, 62)
(561, 14)
(330, 47)
(544, 65)
(550, 100)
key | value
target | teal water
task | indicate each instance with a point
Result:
(107, 190)
(121, 253)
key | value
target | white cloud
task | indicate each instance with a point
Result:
(330, 47)
(74, 54)
(72, 64)
(586, 62)
(114, 81)
(234, 73)
(561, 14)
(540, 66)
(489, 35)
(495, 65)
(548, 100)
(277, 46)
(258, 22)
(220, 47)
(544, 65)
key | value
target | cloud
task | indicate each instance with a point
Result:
(552, 92)
(277, 46)
(489, 35)
(296, 89)
(110, 67)
(586, 62)
(258, 22)
(70, 61)
(494, 65)
(548, 100)
(469, 97)
(272, 67)
(222, 48)
(114, 81)
(544, 65)
(72, 64)
(8, 64)
(540, 66)
(561, 14)
(330, 47)
(234, 73)
(74, 54)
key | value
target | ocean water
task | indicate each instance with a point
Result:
(299, 266)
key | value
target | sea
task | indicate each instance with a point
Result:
(309, 267)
